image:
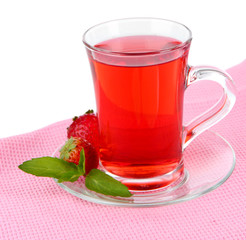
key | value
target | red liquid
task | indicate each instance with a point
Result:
(139, 103)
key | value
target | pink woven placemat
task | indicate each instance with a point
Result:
(35, 208)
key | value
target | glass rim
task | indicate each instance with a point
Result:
(178, 46)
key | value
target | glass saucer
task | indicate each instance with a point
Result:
(209, 161)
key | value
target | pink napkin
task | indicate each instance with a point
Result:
(37, 208)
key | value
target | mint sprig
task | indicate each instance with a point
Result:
(64, 171)
(51, 167)
(100, 182)
(81, 165)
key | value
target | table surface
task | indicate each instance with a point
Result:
(37, 208)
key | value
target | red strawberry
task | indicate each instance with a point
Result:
(70, 152)
(86, 127)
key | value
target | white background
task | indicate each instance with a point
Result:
(44, 72)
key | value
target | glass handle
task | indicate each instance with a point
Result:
(219, 110)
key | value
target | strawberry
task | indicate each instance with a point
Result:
(70, 152)
(85, 127)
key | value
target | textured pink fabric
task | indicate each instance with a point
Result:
(37, 208)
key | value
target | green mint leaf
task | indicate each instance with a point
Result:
(69, 177)
(51, 167)
(81, 165)
(100, 182)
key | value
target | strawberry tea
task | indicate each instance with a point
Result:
(140, 73)
(139, 106)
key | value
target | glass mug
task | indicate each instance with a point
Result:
(140, 73)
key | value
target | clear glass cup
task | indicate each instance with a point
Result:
(140, 72)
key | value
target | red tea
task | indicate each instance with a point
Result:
(139, 95)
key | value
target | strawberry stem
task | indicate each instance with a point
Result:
(89, 111)
(75, 118)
